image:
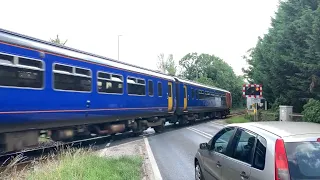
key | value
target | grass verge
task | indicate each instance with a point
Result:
(80, 164)
(237, 119)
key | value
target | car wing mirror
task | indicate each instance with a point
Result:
(204, 146)
(219, 148)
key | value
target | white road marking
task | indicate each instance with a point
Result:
(217, 124)
(210, 135)
(109, 143)
(155, 169)
(200, 133)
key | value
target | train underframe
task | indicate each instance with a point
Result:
(17, 141)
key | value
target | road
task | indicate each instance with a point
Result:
(174, 149)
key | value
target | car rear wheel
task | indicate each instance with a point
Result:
(198, 172)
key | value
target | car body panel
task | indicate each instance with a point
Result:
(268, 132)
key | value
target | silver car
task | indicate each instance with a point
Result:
(273, 150)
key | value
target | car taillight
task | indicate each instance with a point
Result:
(281, 162)
(318, 139)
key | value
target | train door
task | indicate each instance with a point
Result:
(170, 98)
(185, 97)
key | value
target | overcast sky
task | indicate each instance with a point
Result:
(224, 28)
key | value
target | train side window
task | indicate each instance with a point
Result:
(184, 92)
(85, 72)
(21, 72)
(71, 78)
(136, 86)
(201, 94)
(150, 87)
(197, 94)
(192, 93)
(223, 100)
(159, 89)
(169, 90)
(110, 83)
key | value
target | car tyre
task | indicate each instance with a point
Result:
(198, 172)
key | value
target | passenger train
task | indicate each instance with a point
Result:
(71, 93)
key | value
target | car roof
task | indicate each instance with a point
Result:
(283, 128)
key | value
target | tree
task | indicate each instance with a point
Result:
(286, 59)
(170, 66)
(167, 66)
(58, 41)
(213, 71)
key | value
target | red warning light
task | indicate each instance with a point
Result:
(257, 89)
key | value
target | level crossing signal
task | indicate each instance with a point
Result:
(252, 90)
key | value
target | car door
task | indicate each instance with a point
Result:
(218, 148)
(241, 153)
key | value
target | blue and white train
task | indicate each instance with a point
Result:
(68, 93)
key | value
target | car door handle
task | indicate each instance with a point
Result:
(218, 164)
(244, 175)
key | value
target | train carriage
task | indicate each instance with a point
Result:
(70, 93)
(196, 101)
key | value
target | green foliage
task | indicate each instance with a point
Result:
(82, 164)
(249, 116)
(267, 115)
(311, 112)
(58, 41)
(237, 119)
(286, 59)
(213, 71)
(167, 66)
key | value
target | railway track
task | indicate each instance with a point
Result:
(24, 158)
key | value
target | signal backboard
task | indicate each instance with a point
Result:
(252, 90)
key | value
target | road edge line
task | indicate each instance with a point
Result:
(155, 169)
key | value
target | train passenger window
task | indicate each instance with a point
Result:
(110, 83)
(169, 90)
(71, 78)
(21, 72)
(184, 92)
(30, 63)
(6, 59)
(136, 86)
(201, 94)
(192, 93)
(81, 71)
(159, 89)
(150, 87)
(62, 68)
(223, 100)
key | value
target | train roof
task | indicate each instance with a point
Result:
(30, 42)
(200, 85)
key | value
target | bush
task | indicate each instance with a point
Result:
(249, 116)
(311, 112)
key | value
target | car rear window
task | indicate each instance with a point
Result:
(303, 160)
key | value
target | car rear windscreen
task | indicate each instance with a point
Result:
(303, 160)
